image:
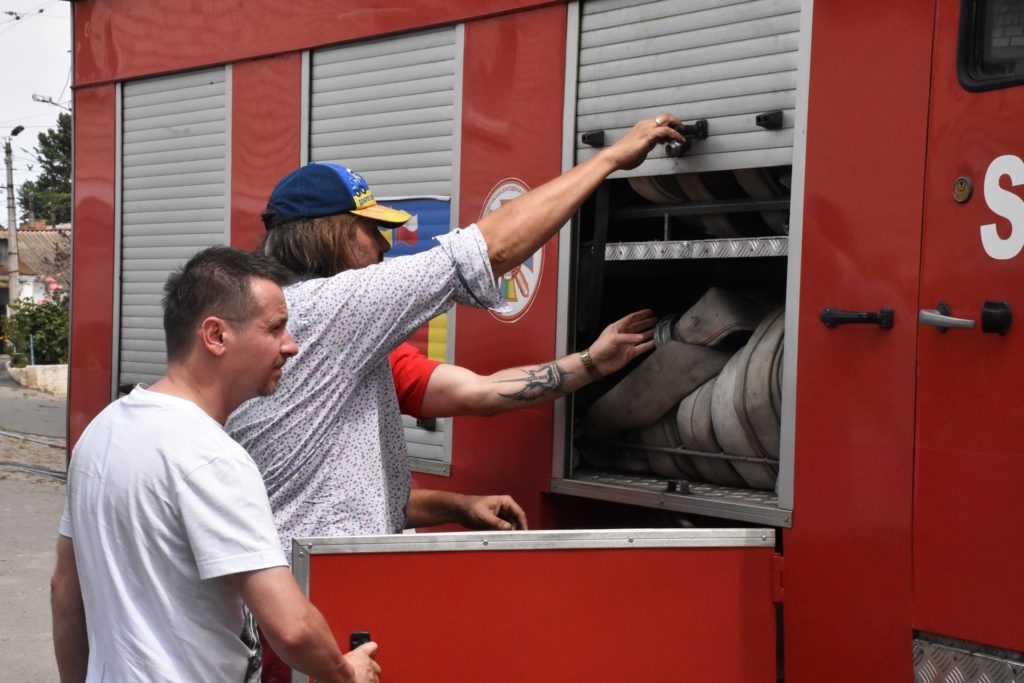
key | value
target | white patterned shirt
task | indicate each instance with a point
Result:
(329, 441)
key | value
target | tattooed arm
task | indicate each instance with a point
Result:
(454, 390)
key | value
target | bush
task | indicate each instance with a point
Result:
(47, 325)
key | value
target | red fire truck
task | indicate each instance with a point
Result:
(857, 185)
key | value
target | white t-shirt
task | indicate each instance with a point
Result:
(161, 505)
(329, 441)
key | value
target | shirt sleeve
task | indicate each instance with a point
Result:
(66, 529)
(227, 517)
(411, 371)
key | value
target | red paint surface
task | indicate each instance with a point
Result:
(557, 615)
(117, 40)
(264, 138)
(848, 554)
(92, 306)
(968, 550)
(511, 127)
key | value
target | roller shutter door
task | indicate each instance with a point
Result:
(388, 109)
(720, 60)
(174, 186)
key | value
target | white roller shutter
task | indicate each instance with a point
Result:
(386, 109)
(721, 60)
(174, 187)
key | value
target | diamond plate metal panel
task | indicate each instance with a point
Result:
(952, 661)
(754, 247)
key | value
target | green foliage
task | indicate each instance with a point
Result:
(49, 195)
(46, 323)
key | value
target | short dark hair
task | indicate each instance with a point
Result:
(216, 281)
(312, 247)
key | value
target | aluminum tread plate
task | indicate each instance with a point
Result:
(747, 505)
(938, 660)
(752, 247)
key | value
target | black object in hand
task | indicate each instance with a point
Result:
(358, 638)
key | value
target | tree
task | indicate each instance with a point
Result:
(49, 195)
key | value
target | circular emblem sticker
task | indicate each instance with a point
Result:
(519, 285)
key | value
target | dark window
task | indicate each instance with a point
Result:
(990, 53)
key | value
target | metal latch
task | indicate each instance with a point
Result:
(698, 130)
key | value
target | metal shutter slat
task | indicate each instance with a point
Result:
(188, 154)
(386, 148)
(164, 145)
(173, 83)
(334, 105)
(200, 190)
(160, 135)
(174, 168)
(212, 201)
(178, 107)
(756, 69)
(386, 46)
(605, 13)
(140, 100)
(393, 119)
(177, 124)
(175, 181)
(385, 62)
(371, 95)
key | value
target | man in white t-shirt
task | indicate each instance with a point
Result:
(167, 528)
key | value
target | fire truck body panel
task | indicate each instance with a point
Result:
(895, 510)
(714, 616)
(968, 469)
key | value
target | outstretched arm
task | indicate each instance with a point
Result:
(454, 390)
(520, 227)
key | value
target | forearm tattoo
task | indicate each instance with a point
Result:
(538, 382)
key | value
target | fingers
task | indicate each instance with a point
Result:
(641, 349)
(514, 514)
(664, 125)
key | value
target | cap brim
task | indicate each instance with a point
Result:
(383, 214)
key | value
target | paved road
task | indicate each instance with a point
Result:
(30, 507)
(30, 412)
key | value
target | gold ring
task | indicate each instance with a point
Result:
(657, 121)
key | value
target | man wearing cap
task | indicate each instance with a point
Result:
(329, 442)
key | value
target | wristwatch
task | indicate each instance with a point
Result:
(588, 362)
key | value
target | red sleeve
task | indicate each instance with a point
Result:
(411, 371)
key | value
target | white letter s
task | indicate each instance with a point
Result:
(1005, 204)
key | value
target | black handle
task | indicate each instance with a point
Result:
(698, 130)
(358, 638)
(830, 317)
(996, 317)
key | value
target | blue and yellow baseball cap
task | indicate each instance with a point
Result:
(320, 189)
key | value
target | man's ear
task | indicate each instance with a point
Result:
(211, 333)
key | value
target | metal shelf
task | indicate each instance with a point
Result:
(746, 505)
(742, 247)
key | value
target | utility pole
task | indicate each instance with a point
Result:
(13, 284)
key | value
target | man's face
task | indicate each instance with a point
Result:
(263, 343)
(369, 244)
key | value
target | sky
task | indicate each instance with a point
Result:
(35, 58)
